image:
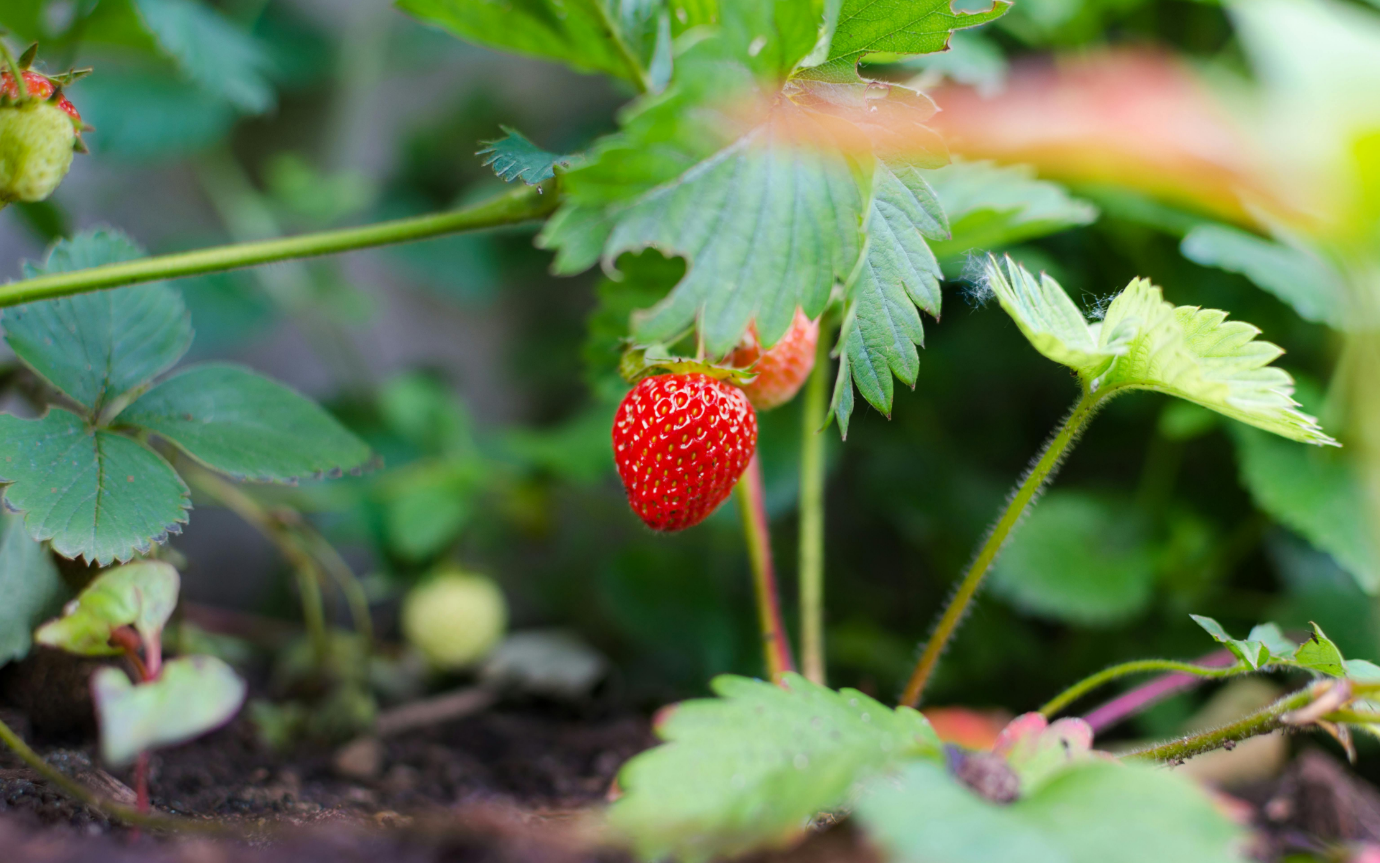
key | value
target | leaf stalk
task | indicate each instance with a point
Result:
(816, 408)
(1026, 492)
(1140, 666)
(752, 505)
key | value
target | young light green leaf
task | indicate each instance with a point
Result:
(1301, 279)
(1274, 639)
(142, 595)
(1320, 654)
(1048, 318)
(514, 157)
(1146, 343)
(92, 493)
(1316, 493)
(751, 767)
(211, 51)
(1253, 652)
(95, 347)
(894, 27)
(1092, 812)
(1079, 558)
(32, 588)
(767, 225)
(245, 425)
(193, 695)
(994, 206)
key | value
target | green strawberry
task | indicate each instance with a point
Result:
(37, 140)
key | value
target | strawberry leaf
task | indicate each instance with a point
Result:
(1254, 652)
(96, 347)
(993, 206)
(752, 766)
(193, 695)
(245, 425)
(92, 493)
(892, 26)
(1090, 812)
(142, 595)
(217, 55)
(1146, 343)
(33, 589)
(513, 157)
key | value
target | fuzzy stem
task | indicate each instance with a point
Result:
(1140, 666)
(1035, 480)
(812, 516)
(1262, 721)
(758, 536)
(1146, 695)
(520, 205)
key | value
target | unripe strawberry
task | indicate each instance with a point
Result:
(681, 441)
(454, 618)
(37, 140)
(781, 371)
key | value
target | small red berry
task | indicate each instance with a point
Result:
(781, 371)
(681, 442)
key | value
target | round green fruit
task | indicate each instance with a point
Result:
(454, 618)
(36, 146)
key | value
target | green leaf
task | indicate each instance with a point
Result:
(1048, 319)
(208, 49)
(513, 157)
(898, 273)
(583, 34)
(32, 588)
(95, 347)
(142, 595)
(1303, 280)
(994, 206)
(893, 27)
(1319, 654)
(193, 695)
(1092, 812)
(1253, 652)
(1146, 343)
(92, 493)
(428, 502)
(768, 225)
(1079, 558)
(1316, 493)
(245, 425)
(751, 767)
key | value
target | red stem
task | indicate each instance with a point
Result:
(774, 643)
(141, 783)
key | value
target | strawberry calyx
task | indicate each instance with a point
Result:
(641, 361)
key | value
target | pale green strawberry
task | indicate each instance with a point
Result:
(36, 146)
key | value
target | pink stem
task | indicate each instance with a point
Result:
(1143, 697)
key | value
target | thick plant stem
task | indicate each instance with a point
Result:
(520, 205)
(1140, 666)
(1262, 721)
(812, 516)
(754, 511)
(1025, 493)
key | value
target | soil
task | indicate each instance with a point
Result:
(512, 783)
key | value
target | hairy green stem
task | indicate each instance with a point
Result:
(1125, 669)
(754, 511)
(1025, 493)
(812, 515)
(519, 205)
(1263, 721)
(21, 86)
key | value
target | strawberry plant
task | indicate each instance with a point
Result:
(769, 218)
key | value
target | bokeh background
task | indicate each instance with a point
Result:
(484, 382)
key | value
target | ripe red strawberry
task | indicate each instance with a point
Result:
(781, 371)
(40, 87)
(680, 442)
